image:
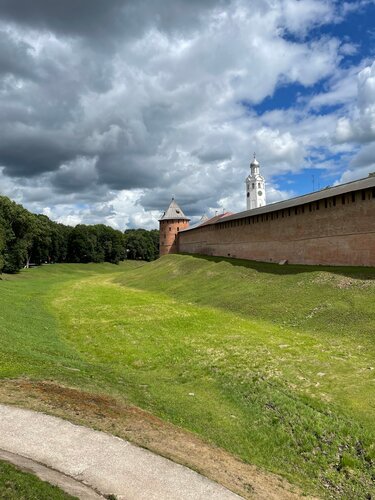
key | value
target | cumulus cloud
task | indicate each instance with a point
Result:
(109, 108)
(360, 126)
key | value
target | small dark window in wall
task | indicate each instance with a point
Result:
(248, 194)
(178, 229)
(267, 217)
(343, 199)
(303, 209)
(170, 229)
(353, 197)
(253, 185)
(259, 185)
(317, 205)
(295, 211)
(334, 201)
(310, 207)
(289, 212)
(325, 203)
(363, 195)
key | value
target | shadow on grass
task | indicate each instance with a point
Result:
(355, 272)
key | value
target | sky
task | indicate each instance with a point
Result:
(110, 108)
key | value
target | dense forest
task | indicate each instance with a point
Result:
(27, 238)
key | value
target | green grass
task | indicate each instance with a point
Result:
(275, 364)
(17, 485)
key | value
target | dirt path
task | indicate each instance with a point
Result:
(140, 427)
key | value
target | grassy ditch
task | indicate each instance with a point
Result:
(274, 364)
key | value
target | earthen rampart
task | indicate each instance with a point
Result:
(332, 227)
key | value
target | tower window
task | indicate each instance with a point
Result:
(248, 194)
(170, 229)
(258, 184)
(178, 229)
(253, 185)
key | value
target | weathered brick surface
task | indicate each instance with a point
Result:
(335, 234)
(169, 230)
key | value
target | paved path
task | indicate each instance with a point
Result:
(106, 463)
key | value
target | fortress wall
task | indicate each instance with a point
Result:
(338, 230)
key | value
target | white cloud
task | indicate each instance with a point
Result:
(301, 16)
(111, 132)
(360, 126)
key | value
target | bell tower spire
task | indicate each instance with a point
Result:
(255, 187)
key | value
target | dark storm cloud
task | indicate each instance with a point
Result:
(80, 175)
(105, 19)
(192, 204)
(74, 17)
(15, 57)
(31, 155)
(212, 155)
(365, 157)
(42, 103)
(121, 171)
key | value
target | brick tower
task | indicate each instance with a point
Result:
(172, 221)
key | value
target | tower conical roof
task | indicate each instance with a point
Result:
(174, 212)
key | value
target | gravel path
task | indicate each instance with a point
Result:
(105, 463)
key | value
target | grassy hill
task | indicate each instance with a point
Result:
(274, 364)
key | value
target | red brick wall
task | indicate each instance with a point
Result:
(335, 233)
(168, 232)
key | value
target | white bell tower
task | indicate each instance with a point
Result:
(255, 187)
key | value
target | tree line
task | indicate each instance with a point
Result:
(27, 238)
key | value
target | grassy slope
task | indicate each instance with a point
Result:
(272, 363)
(17, 485)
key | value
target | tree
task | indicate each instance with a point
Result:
(26, 238)
(2, 244)
(142, 244)
(17, 226)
